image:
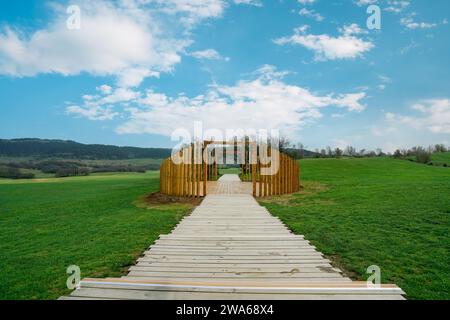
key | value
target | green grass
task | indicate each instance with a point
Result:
(47, 225)
(391, 213)
(437, 159)
(441, 158)
(38, 174)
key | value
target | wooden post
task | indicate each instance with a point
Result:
(271, 173)
(205, 173)
(291, 174)
(279, 176)
(283, 188)
(265, 183)
(197, 180)
(179, 177)
(286, 175)
(254, 179)
(182, 177)
(216, 164)
(191, 170)
(170, 177)
(260, 178)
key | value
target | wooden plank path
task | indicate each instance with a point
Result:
(231, 248)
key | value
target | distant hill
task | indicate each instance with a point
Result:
(44, 148)
(300, 153)
(73, 150)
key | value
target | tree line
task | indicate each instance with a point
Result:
(74, 150)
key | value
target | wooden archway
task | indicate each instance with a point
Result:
(195, 165)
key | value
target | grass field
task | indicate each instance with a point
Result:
(391, 213)
(441, 158)
(47, 225)
(360, 212)
(38, 174)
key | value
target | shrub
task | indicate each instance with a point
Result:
(71, 172)
(398, 154)
(440, 148)
(124, 168)
(14, 173)
(422, 155)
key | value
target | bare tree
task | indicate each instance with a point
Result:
(301, 149)
(362, 152)
(350, 151)
(379, 152)
(285, 144)
(440, 148)
(329, 151)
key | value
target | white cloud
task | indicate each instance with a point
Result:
(255, 3)
(101, 107)
(208, 54)
(264, 102)
(434, 116)
(119, 40)
(306, 2)
(311, 14)
(394, 6)
(128, 39)
(191, 12)
(384, 81)
(97, 113)
(384, 78)
(380, 132)
(326, 47)
(352, 29)
(411, 24)
(361, 3)
(397, 6)
(105, 89)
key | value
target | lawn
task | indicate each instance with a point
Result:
(391, 213)
(47, 225)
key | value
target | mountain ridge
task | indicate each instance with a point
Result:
(35, 147)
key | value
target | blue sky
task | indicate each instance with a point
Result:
(136, 70)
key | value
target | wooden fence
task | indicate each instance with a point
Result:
(190, 177)
(285, 180)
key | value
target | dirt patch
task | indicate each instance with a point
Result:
(313, 187)
(158, 198)
(336, 262)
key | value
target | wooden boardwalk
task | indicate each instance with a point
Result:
(231, 248)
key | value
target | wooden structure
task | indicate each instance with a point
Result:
(270, 173)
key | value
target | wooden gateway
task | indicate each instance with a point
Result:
(269, 171)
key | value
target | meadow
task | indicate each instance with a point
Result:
(442, 158)
(95, 222)
(377, 211)
(359, 212)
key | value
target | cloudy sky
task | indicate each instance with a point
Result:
(136, 70)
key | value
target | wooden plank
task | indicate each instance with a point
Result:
(173, 295)
(356, 286)
(160, 261)
(142, 266)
